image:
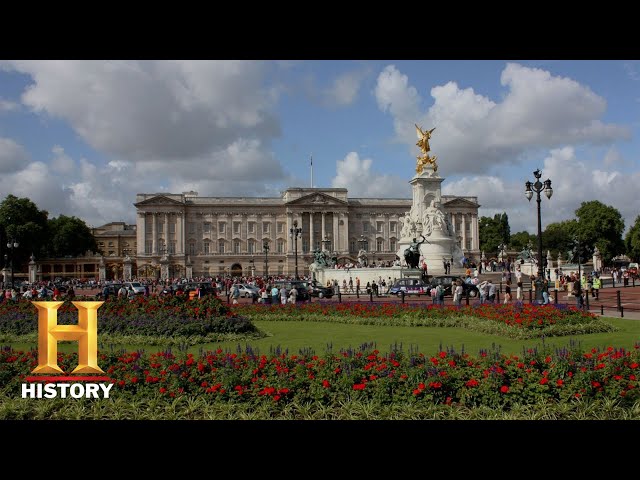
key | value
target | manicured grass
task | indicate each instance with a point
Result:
(295, 336)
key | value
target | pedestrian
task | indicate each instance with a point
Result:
(235, 293)
(293, 294)
(274, 295)
(597, 284)
(491, 291)
(283, 295)
(545, 292)
(507, 293)
(457, 293)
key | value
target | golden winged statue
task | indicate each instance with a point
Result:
(423, 142)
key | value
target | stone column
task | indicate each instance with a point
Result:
(311, 242)
(164, 268)
(167, 237)
(345, 230)
(102, 270)
(287, 233)
(127, 269)
(463, 227)
(189, 268)
(474, 230)
(154, 233)
(324, 228)
(32, 269)
(180, 233)
(335, 244)
(141, 233)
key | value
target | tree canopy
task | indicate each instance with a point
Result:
(602, 226)
(632, 241)
(70, 236)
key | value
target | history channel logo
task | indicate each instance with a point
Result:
(49, 334)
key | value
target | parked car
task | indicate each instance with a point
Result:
(137, 287)
(301, 287)
(316, 289)
(248, 291)
(448, 280)
(206, 288)
(410, 286)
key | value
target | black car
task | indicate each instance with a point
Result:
(447, 281)
(318, 290)
(206, 288)
(301, 287)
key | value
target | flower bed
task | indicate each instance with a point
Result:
(447, 378)
(151, 316)
(517, 320)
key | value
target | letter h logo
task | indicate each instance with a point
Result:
(49, 333)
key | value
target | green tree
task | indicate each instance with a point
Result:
(493, 232)
(23, 222)
(602, 226)
(559, 237)
(632, 241)
(69, 236)
(518, 241)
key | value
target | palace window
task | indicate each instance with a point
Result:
(280, 246)
(251, 245)
(222, 227)
(221, 246)
(192, 227)
(206, 246)
(280, 227)
(236, 246)
(172, 227)
(252, 227)
(236, 227)
(392, 227)
(365, 227)
(379, 245)
(379, 227)
(148, 246)
(266, 227)
(160, 226)
(192, 248)
(206, 227)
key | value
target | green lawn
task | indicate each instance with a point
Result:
(295, 336)
(299, 335)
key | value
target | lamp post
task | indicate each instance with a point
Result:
(539, 187)
(295, 233)
(11, 245)
(265, 247)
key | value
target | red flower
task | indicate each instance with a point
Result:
(359, 386)
(472, 383)
(326, 384)
(544, 381)
(560, 382)
(504, 389)
(163, 390)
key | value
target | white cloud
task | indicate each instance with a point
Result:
(355, 174)
(61, 162)
(476, 135)
(154, 110)
(13, 157)
(344, 89)
(8, 106)
(573, 182)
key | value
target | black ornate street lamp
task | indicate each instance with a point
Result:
(539, 187)
(11, 245)
(265, 247)
(295, 232)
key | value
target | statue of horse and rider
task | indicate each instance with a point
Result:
(412, 253)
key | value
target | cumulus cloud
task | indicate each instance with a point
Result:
(573, 180)
(8, 106)
(476, 134)
(344, 89)
(61, 162)
(355, 174)
(150, 110)
(13, 157)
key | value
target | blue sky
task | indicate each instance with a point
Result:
(83, 137)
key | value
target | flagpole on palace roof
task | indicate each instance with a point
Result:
(311, 170)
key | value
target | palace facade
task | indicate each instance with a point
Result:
(180, 235)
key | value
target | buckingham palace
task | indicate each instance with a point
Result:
(185, 235)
